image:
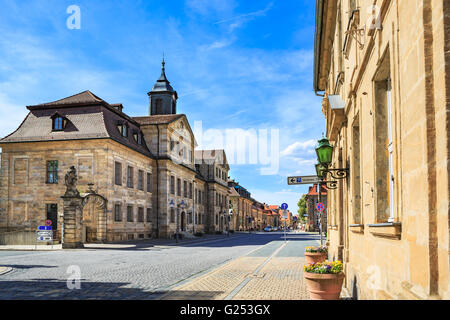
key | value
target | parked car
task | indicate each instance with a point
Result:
(275, 229)
(268, 229)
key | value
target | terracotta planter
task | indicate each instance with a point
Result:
(324, 286)
(314, 257)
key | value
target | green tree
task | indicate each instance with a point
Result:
(302, 208)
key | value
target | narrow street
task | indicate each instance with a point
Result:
(247, 266)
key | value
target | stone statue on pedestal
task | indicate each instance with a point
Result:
(70, 181)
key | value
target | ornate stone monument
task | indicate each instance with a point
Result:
(73, 211)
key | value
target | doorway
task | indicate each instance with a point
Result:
(183, 221)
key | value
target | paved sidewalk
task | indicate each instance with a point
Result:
(259, 276)
(279, 279)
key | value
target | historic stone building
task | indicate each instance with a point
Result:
(143, 166)
(384, 69)
(213, 166)
(241, 205)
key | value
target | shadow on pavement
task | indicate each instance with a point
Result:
(49, 289)
(29, 266)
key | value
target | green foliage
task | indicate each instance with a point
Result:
(322, 249)
(302, 208)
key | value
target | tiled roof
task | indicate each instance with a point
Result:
(89, 117)
(210, 156)
(233, 193)
(313, 190)
(158, 119)
(85, 97)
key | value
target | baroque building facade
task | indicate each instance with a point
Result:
(383, 69)
(146, 167)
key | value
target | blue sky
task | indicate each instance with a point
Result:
(235, 64)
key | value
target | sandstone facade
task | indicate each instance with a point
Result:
(384, 69)
(145, 167)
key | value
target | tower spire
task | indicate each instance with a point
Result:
(163, 98)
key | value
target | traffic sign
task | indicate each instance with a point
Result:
(45, 233)
(48, 222)
(44, 227)
(320, 207)
(284, 206)
(284, 214)
(303, 180)
(44, 238)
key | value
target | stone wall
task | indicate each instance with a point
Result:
(24, 200)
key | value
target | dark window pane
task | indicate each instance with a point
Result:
(130, 214)
(149, 182)
(118, 173)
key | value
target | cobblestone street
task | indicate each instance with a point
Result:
(244, 266)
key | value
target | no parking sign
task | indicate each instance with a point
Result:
(320, 207)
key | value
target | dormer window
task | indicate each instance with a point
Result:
(123, 129)
(58, 122)
(138, 137)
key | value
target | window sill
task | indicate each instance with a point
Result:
(357, 228)
(391, 230)
(333, 227)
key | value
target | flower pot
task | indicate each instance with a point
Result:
(324, 286)
(314, 257)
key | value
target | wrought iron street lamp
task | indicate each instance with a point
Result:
(319, 170)
(324, 153)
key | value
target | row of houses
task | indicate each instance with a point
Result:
(247, 214)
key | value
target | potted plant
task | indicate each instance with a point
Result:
(324, 280)
(316, 254)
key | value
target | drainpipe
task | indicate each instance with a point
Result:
(157, 188)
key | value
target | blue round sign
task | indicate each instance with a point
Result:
(284, 206)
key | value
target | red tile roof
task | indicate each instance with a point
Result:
(313, 190)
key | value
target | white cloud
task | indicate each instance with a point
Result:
(209, 7)
(11, 115)
(298, 145)
(239, 20)
(219, 44)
